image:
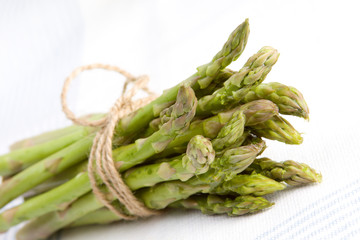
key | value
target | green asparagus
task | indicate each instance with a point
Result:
(194, 147)
(42, 138)
(291, 172)
(217, 83)
(208, 204)
(197, 160)
(52, 135)
(255, 112)
(289, 100)
(215, 204)
(232, 162)
(78, 186)
(231, 51)
(278, 128)
(239, 84)
(126, 156)
(47, 224)
(20, 159)
(127, 126)
(200, 155)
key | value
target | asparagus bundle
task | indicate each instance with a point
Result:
(194, 147)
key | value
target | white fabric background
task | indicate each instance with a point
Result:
(42, 41)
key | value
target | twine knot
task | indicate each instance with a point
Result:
(101, 167)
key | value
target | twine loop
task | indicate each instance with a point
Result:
(101, 166)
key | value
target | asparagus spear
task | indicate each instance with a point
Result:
(239, 84)
(47, 224)
(215, 204)
(50, 166)
(57, 180)
(254, 184)
(289, 100)
(162, 195)
(42, 138)
(231, 132)
(206, 203)
(29, 151)
(126, 156)
(100, 216)
(278, 128)
(217, 83)
(52, 135)
(17, 160)
(293, 173)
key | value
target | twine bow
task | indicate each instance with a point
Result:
(101, 164)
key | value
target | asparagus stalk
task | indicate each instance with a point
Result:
(215, 204)
(162, 195)
(206, 203)
(239, 84)
(47, 224)
(42, 138)
(100, 216)
(57, 180)
(231, 132)
(29, 151)
(17, 160)
(217, 83)
(293, 173)
(289, 100)
(44, 226)
(254, 184)
(52, 135)
(126, 156)
(278, 128)
(50, 166)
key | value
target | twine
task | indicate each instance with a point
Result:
(101, 164)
